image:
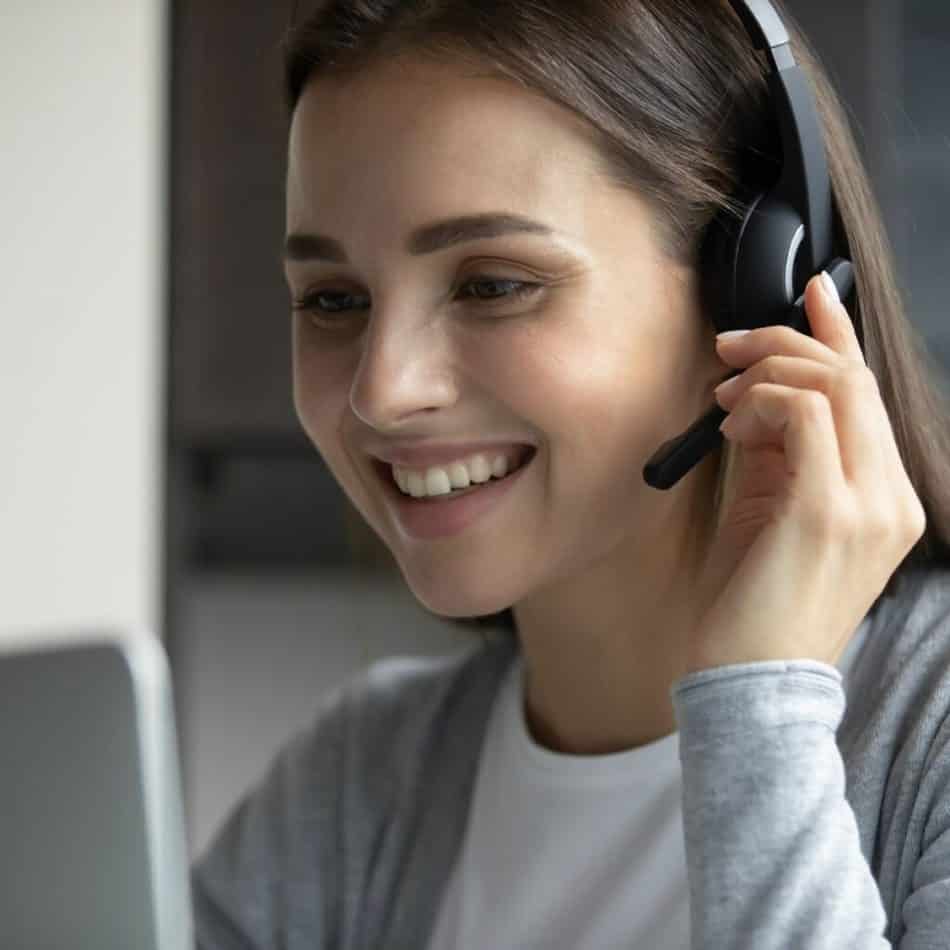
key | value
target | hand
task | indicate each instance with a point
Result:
(822, 512)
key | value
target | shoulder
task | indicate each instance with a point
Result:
(404, 682)
(341, 776)
(400, 696)
(901, 677)
(909, 633)
(369, 733)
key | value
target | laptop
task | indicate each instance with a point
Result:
(92, 838)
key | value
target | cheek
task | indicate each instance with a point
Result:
(603, 405)
(590, 387)
(320, 390)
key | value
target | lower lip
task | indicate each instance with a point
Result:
(442, 517)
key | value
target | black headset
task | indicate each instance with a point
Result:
(754, 269)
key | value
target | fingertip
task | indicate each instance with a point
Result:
(829, 289)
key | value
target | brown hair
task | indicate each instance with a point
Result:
(676, 97)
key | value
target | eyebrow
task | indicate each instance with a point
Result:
(424, 240)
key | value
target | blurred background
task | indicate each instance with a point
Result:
(155, 476)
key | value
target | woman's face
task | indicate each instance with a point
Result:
(596, 366)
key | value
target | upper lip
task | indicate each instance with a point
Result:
(424, 454)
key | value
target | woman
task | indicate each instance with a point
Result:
(493, 219)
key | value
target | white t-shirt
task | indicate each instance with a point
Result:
(563, 852)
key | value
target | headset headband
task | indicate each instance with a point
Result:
(804, 183)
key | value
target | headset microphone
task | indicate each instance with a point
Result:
(754, 270)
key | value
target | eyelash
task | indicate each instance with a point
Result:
(524, 289)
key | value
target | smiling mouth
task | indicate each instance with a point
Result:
(386, 474)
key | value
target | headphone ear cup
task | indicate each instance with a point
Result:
(749, 277)
(718, 261)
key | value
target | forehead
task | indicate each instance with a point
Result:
(425, 133)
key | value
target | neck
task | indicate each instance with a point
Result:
(602, 649)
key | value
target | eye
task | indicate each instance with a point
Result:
(522, 288)
(324, 301)
(319, 298)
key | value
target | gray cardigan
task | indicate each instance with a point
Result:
(348, 840)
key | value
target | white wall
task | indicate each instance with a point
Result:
(82, 231)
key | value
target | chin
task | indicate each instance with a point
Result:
(445, 597)
(452, 604)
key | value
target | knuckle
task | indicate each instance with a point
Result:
(860, 375)
(915, 522)
(901, 526)
(880, 528)
(769, 369)
(827, 520)
(783, 334)
(813, 405)
(830, 522)
(847, 520)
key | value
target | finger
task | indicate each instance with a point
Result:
(802, 422)
(868, 449)
(781, 340)
(788, 370)
(861, 423)
(860, 414)
(829, 319)
(833, 341)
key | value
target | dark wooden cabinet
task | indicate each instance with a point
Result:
(231, 313)
(247, 487)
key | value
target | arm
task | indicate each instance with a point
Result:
(926, 911)
(773, 851)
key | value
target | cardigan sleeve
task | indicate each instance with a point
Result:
(926, 910)
(262, 883)
(313, 857)
(772, 845)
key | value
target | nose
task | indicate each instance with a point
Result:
(404, 370)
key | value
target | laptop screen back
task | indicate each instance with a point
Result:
(93, 849)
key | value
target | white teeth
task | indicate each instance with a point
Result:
(479, 469)
(437, 482)
(417, 485)
(458, 475)
(440, 480)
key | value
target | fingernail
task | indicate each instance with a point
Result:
(831, 291)
(731, 334)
